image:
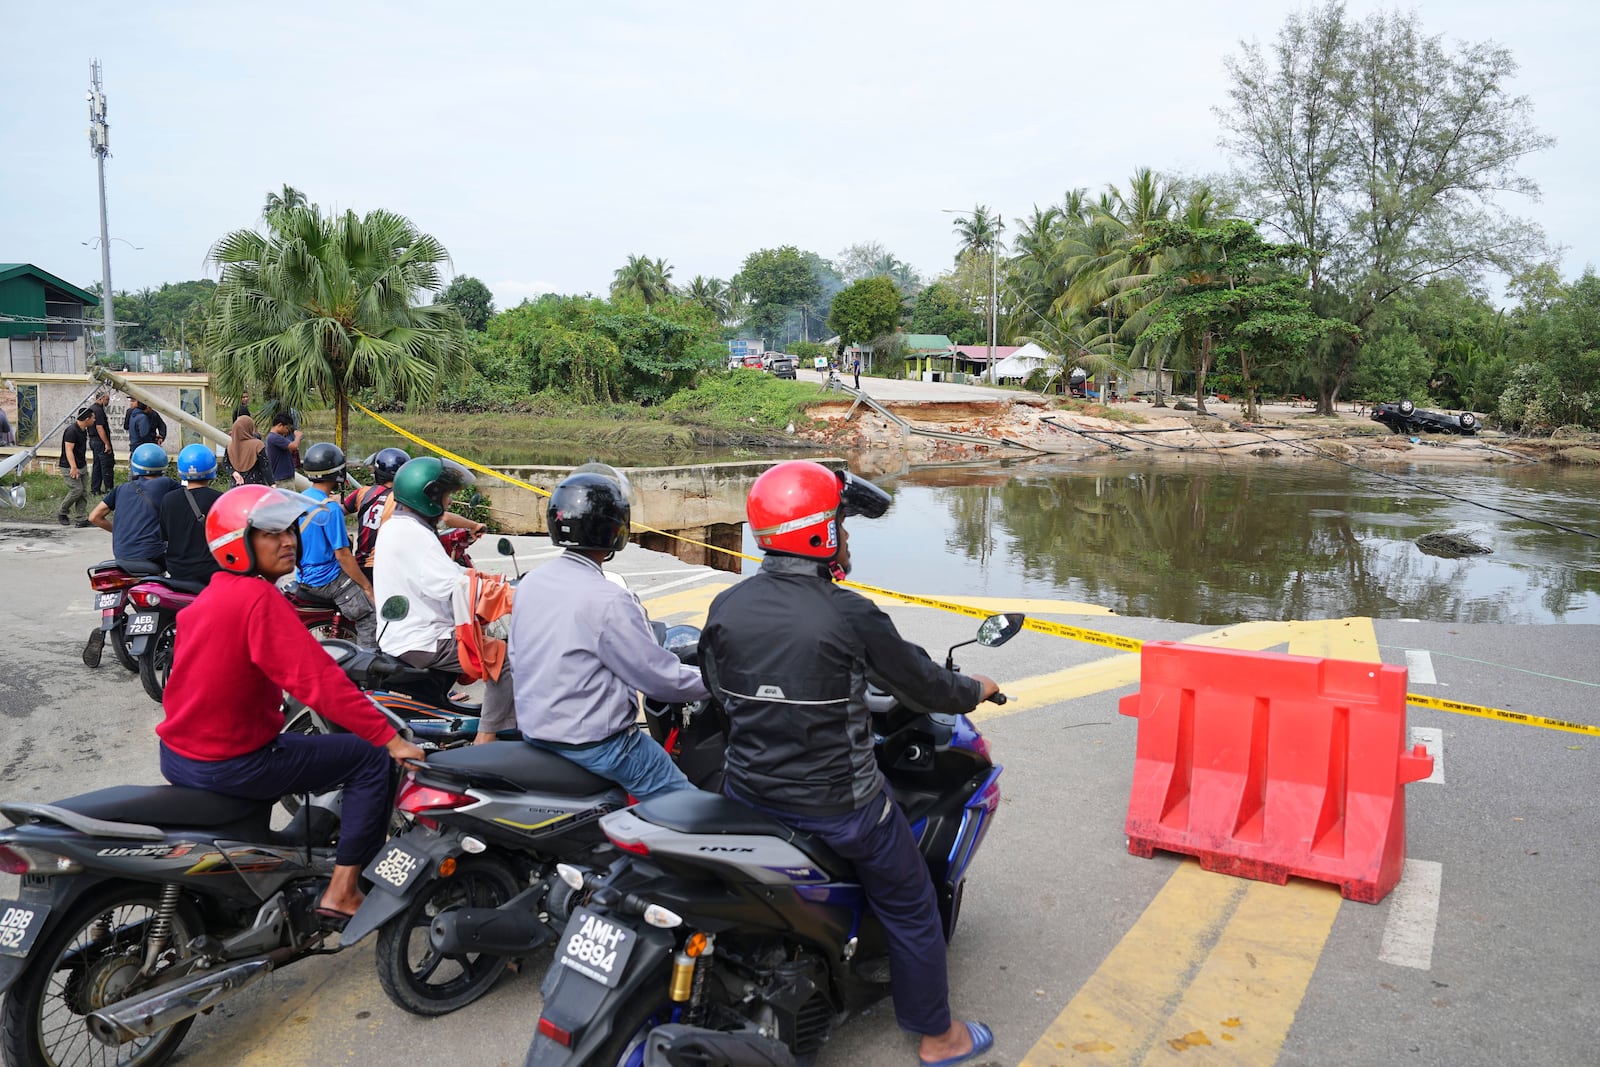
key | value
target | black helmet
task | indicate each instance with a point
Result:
(588, 511)
(387, 463)
(424, 482)
(323, 462)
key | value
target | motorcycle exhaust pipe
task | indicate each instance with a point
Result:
(495, 931)
(152, 1012)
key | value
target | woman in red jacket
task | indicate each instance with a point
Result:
(238, 647)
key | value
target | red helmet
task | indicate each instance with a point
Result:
(795, 507)
(246, 508)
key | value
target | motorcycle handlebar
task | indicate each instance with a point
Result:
(998, 698)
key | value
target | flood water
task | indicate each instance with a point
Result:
(1216, 542)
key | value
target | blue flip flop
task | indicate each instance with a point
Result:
(982, 1041)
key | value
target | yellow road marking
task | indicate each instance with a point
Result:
(693, 602)
(1335, 638)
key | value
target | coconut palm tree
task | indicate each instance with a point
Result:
(709, 293)
(648, 279)
(979, 231)
(322, 306)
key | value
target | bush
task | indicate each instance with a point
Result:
(737, 396)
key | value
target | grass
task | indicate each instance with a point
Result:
(46, 491)
(1095, 410)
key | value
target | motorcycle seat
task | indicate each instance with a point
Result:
(519, 766)
(179, 584)
(693, 811)
(139, 568)
(296, 591)
(167, 805)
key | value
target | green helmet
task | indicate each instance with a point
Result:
(424, 482)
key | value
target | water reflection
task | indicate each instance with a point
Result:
(1214, 543)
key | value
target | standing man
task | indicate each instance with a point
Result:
(140, 430)
(787, 653)
(581, 648)
(183, 516)
(158, 425)
(327, 567)
(137, 503)
(243, 406)
(104, 474)
(73, 442)
(856, 367)
(283, 448)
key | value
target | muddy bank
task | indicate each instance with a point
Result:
(1012, 427)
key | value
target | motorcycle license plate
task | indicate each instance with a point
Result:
(597, 947)
(142, 623)
(106, 601)
(396, 867)
(19, 924)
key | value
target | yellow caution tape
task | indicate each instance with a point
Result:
(1043, 626)
(1520, 717)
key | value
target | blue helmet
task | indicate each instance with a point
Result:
(148, 458)
(197, 463)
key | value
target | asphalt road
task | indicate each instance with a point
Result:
(1073, 950)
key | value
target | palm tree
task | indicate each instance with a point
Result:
(322, 306)
(281, 201)
(709, 293)
(648, 279)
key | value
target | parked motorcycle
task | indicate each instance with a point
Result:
(152, 624)
(723, 936)
(111, 579)
(143, 906)
(506, 813)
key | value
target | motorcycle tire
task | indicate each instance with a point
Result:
(89, 963)
(119, 646)
(155, 666)
(408, 963)
(633, 1024)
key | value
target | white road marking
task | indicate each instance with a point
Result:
(1433, 741)
(1419, 666)
(654, 589)
(1413, 916)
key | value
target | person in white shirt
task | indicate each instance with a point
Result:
(409, 561)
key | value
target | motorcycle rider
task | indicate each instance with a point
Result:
(328, 569)
(373, 505)
(183, 516)
(238, 647)
(583, 646)
(136, 534)
(410, 562)
(788, 652)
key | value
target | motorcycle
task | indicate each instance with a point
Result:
(722, 936)
(507, 814)
(144, 906)
(152, 625)
(111, 579)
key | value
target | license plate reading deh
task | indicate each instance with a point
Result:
(396, 867)
(597, 947)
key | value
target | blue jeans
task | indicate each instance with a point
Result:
(632, 759)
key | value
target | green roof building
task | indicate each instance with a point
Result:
(42, 321)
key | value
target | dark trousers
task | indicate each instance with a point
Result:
(103, 471)
(877, 839)
(302, 763)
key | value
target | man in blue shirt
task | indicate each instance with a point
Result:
(139, 428)
(137, 504)
(328, 568)
(283, 447)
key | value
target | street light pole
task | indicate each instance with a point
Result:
(994, 297)
(100, 147)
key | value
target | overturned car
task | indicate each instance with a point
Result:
(1406, 418)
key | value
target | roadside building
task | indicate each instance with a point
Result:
(41, 321)
(928, 356)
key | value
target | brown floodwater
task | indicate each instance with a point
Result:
(1213, 542)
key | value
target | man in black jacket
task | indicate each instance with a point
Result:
(787, 652)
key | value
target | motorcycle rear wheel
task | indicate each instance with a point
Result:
(118, 640)
(409, 966)
(71, 969)
(625, 1046)
(155, 666)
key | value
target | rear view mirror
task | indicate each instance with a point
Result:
(17, 495)
(504, 547)
(395, 608)
(998, 629)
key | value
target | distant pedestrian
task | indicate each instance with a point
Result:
(137, 423)
(243, 406)
(856, 367)
(74, 470)
(283, 450)
(158, 425)
(8, 436)
(247, 454)
(104, 474)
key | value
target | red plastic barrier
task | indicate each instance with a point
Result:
(1265, 765)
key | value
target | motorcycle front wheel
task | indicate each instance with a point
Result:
(90, 960)
(155, 666)
(414, 974)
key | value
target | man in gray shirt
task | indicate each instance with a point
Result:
(582, 646)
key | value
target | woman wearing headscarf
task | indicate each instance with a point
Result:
(247, 454)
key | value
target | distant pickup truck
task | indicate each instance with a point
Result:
(782, 366)
(1406, 418)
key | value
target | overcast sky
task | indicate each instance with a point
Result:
(543, 143)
